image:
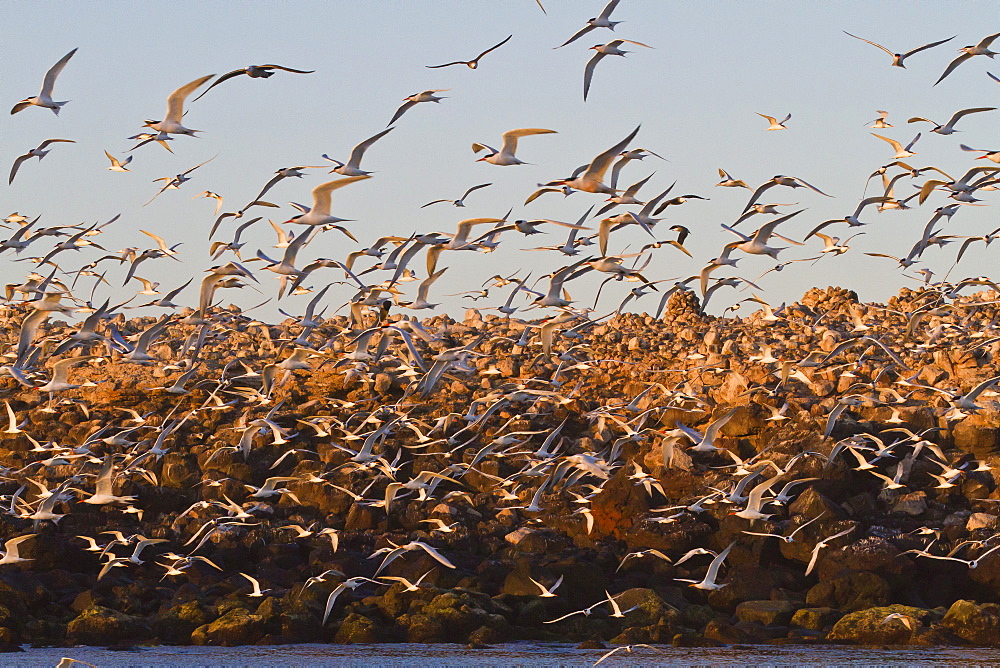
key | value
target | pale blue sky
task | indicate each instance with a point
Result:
(714, 65)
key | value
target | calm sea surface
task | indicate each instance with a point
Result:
(512, 654)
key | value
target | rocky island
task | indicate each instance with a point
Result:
(627, 480)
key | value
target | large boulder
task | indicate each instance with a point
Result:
(881, 626)
(849, 592)
(767, 613)
(358, 629)
(973, 622)
(176, 625)
(236, 627)
(98, 625)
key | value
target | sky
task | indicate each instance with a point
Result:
(713, 66)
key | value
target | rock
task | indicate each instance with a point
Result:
(850, 592)
(913, 504)
(176, 625)
(236, 627)
(357, 629)
(748, 582)
(649, 607)
(767, 613)
(815, 619)
(724, 632)
(527, 540)
(975, 623)
(870, 627)
(981, 521)
(975, 435)
(618, 506)
(452, 617)
(98, 625)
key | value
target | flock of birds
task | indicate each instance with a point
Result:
(127, 452)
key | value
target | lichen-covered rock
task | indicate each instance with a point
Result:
(98, 625)
(849, 592)
(357, 629)
(176, 625)
(886, 625)
(236, 627)
(975, 623)
(815, 619)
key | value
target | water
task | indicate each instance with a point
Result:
(510, 654)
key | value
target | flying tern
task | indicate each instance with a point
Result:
(474, 63)
(254, 72)
(44, 98)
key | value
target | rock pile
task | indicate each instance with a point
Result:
(502, 470)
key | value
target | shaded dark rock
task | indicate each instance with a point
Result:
(767, 613)
(850, 592)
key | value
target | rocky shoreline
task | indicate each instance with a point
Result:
(538, 467)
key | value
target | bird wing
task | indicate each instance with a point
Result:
(952, 65)
(175, 102)
(634, 188)
(588, 72)
(16, 166)
(402, 110)
(473, 188)
(928, 187)
(434, 553)
(321, 193)
(924, 47)
(426, 284)
(47, 142)
(955, 117)
(332, 600)
(979, 389)
(895, 144)
(492, 48)
(225, 77)
(601, 163)
(877, 46)
(713, 429)
(771, 119)
(580, 33)
(767, 229)
(159, 241)
(713, 568)
(606, 13)
(757, 193)
(984, 44)
(359, 150)
(188, 171)
(457, 62)
(811, 187)
(286, 69)
(50, 76)
(511, 136)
